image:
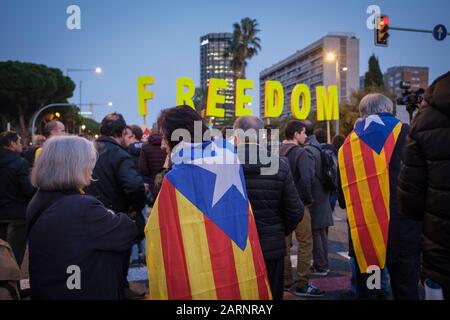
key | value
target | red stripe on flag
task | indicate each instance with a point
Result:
(364, 236)
(258, 260)
(375, 190)
(177, 277)
(389, 147)
(222, 262)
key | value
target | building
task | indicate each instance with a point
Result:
(310, 67)
(213, 64)
(417, 76)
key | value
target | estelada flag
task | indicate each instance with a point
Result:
(364, 160)
(201, 237)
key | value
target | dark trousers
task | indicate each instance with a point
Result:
(404, 273)
(320, 249)
(15, 233)
(275, 273)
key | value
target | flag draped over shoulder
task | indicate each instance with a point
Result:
(202, 241)
(364, 167)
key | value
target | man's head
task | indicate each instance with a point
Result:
(249, 126)
(296, 132)
(113, 125)
(137, 132)
(54, 128)
(128, 137)
(309, 127)
(374, 103)
(321, 135)
(11, 140)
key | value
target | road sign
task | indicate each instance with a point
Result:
(440, 32)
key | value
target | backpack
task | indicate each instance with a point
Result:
(9, 273)
(329, 176)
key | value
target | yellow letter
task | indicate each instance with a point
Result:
(144, 95)
(327, 107)
(274, 99)
(214, 98)
(185, 97)
(242, 99)
(300, 90)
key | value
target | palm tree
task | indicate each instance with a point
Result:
(244, 45)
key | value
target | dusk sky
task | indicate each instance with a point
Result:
(161, 38)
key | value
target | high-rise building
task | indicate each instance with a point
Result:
(310, 66)
(417, 76)
(213, 64)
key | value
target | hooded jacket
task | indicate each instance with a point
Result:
(424, 180)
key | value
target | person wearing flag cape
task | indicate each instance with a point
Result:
(380, 234)
(201, 237)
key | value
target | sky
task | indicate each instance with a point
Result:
(162, 38)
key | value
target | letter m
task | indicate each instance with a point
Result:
(327, 105)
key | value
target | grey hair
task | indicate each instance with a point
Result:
(248, 122)
(374, 103)
(65, 163)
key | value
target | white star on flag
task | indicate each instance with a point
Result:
(373, 118)
(225, 165)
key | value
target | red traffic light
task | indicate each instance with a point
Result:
(381, 31)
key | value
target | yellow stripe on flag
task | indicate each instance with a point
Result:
(245, 270)
(366, 202)
(155, 260)
(196, 250)
(350, 213)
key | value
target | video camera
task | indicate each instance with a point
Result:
(411, 99)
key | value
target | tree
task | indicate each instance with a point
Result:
(244, 45)
(373, 77)
(25, 87)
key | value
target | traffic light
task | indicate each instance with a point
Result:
(381, 31)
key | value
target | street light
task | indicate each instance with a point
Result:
(97, 70)
(331, 56)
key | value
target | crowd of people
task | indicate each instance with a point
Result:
(73, 201)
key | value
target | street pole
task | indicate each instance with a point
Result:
(338, 78)
(81, 84)
(37, 113)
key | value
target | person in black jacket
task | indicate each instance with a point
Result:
(276, 204)
(76, 244)
(116, 182)
(15, 193)
(424, 180)
(301, 167)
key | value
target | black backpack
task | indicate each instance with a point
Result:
(329, 175)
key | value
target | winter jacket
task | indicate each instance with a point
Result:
(321, 215)
(15, 187)
(151, 160)
(275, 202)
(301, 168)
(76, 232)
(424, 181)
(116, 182)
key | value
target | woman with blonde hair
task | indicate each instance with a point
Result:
(76, 244)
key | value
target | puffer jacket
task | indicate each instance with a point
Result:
(275, 202)
(424, 180)
(116, 182)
